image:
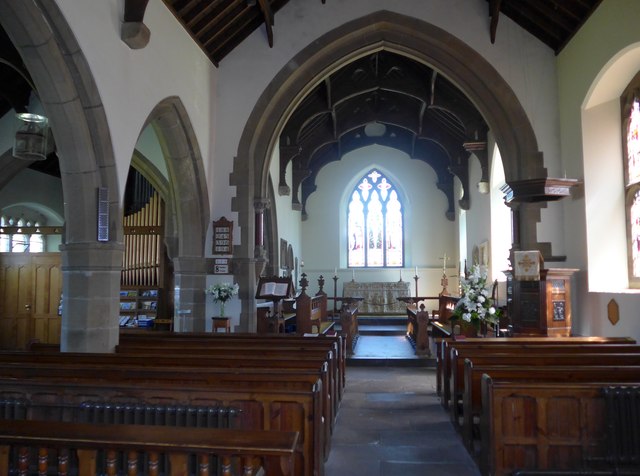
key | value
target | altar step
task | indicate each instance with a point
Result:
(380, 325)
(382, 342)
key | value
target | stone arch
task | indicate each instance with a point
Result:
(187, 209)
(380, 30)
(78, 121)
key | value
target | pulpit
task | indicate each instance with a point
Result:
(541, 307)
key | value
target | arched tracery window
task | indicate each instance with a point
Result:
(375, 223)
(630, 102)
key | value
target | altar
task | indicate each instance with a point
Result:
(378, 297)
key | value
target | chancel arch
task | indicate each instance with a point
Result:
(403, 35)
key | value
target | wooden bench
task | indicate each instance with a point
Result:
(311, 314)
(237, 450)
(205, 360)
(541, 426)
(267, 400)
(418, 329)
(443, 351)
(540, 355)
(537, 366)
(349, 326)
(240, 345)
(334, 343)
(196, 343)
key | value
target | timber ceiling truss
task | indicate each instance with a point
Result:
(390, 100)
(218, 26)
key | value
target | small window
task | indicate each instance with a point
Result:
(375, 224)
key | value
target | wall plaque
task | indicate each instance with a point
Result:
(222, 237)
(221, 266)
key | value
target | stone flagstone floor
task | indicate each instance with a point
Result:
(391, 423)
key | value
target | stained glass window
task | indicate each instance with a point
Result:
(375, 223)
(631, 139)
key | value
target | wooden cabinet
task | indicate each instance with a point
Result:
(541, 307)
(141, 307)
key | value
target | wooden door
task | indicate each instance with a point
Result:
(47, 290)
(30, 288)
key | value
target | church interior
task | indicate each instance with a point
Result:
(264, 188)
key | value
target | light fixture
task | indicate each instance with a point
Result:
(483, 187)
(375, 129)
(30, 142)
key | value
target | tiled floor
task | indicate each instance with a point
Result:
(391, 422)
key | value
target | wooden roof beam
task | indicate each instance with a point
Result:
(268, 19)
(494, 13)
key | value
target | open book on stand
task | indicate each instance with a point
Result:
(275, 288)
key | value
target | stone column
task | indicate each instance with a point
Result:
(189, 295)
(91, 296)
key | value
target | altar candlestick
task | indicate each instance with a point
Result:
(353, 275)
(400, 274)
(416, 271)
(335, 271)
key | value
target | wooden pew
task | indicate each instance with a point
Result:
(282, 400)
(349, 326)
(198, 343)
(204, 360)
(311, 314)
(273, 449)
(476, 368)
(443, 351)
(541, 425)
(255, 346)
(335, 342)
(534, 355)
(418, 329)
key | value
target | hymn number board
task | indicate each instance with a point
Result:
(222, 237)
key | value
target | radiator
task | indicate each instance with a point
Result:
(623, 426)
(13, 408)
(162, 415)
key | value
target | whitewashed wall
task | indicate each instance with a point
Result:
(132, 82)
(428, 233)
(588, 91)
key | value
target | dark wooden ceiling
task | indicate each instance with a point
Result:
(218, 26)
(370, 96)
(383, 99)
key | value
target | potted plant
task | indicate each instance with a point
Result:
(475, 307)
(222, 292)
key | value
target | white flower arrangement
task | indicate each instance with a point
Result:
(475, 305)
(222, 292)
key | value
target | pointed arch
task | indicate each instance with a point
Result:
(380, 30)
(71, 101)
(187, 209)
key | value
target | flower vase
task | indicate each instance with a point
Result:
(221, 308)
(470, 329)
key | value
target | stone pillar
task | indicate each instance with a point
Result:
(189, 296)
(244, 270)
(91, 296)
